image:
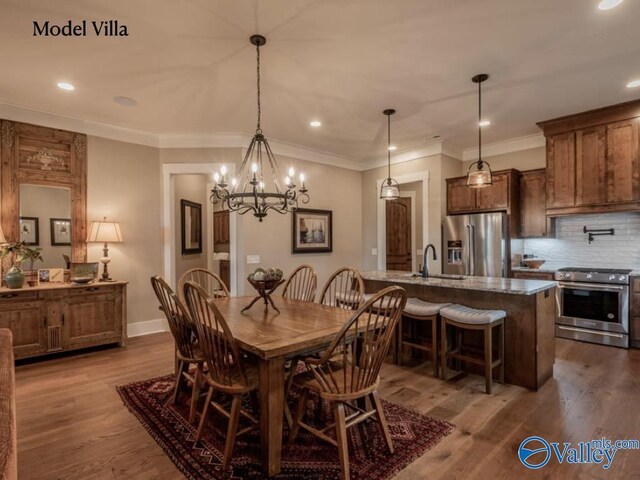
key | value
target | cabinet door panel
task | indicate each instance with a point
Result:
(533, 220)
(591, 185)
(622, 161)
(460, 198)
(561, 173)
(496, 196)
(27, 323)
(91, 318)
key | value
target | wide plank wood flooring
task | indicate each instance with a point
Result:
(72, 425)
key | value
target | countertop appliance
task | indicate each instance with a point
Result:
(593, 305)
(476, 245)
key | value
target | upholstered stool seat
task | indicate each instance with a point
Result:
(463, 314)
(415, 313)
(466, 318)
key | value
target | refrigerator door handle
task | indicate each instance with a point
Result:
(468, 264)
(472, 250)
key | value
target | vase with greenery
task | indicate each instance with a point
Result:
(19, 252)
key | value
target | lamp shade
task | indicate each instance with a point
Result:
(2, 239)
(104, 232)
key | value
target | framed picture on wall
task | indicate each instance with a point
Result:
(312, 231)
(50, 275)
(30, 230)
(191, 227)
(60, 232)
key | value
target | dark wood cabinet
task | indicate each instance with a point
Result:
(225, 272)
(634, 313)
(532, 275)
(593, 162)
(460, 198)
(496, 196)
(221, 228)
(533, 219)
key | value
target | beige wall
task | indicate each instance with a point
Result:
(124, 185)
(194, 189)
(523, 160)
(46, 203)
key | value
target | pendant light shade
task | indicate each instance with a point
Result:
(258, 187)
(390, 189)
(479, 173)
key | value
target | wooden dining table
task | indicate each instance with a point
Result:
(299, 328)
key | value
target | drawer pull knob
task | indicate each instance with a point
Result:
(9, 295)
(92, 289)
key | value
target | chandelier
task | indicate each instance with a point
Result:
(480, 177)
(257, 187)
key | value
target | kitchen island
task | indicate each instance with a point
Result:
(530, 322)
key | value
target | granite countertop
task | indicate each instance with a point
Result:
(486, 284)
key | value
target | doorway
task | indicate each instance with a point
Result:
(398, 232)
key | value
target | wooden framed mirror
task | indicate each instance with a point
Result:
(44, 165)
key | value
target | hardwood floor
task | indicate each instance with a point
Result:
(72, 425)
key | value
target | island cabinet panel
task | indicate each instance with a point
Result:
(532, 275)
(53, 318)
(593, 161)
(634, 316)
(529, 326)
(533, 218)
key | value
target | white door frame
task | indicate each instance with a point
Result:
(423, 177)
(169, 171)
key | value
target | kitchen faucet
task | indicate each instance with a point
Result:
(425, 269)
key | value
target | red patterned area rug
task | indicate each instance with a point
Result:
(309, 458)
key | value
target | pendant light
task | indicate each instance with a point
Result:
(389, 189)
(480, 177)
(257, 188)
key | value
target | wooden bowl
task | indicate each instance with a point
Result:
(533, 262)
(265, 285)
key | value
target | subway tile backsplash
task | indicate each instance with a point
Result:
(571, 247)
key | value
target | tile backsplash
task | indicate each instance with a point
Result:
(571, 248)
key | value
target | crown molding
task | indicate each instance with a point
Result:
(506, 146)
(214, 140)
(435, 148)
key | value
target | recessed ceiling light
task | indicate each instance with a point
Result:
(484, 123)
(633, 84)
(609, 4)
(65, 86)
(125, 101)
(315, 123)
(392, 148)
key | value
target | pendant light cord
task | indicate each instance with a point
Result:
(480, 163)
(258, 129)
(388, 147)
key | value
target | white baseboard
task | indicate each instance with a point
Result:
(145, 328)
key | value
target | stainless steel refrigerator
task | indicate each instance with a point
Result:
(476, 245)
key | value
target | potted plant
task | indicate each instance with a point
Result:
(19, 252)
(33, 255)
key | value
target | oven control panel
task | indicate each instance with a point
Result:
(609, 276)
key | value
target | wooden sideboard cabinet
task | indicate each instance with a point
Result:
(55, 318)
(593, 161)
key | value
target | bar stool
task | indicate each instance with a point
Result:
(466, 318)
(417, 311)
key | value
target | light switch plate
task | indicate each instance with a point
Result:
(253, 258)
(374, 251)
(419, 252)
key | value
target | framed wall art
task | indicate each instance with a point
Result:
(191, 227)
(60, 232)
(50, 275)
(30, 230)
(312, 231)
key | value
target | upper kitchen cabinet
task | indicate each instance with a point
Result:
(501, 196)
(593, 163)
(533, 219)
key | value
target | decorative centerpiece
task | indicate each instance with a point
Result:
(18, 251)
(265, 282)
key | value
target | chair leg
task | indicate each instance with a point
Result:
(203, 417)
(287, 391)
(182, 366)
(195, 393)
(444, 347)
(341, 437)
(382, 420)
(302, 404)
(232, 429)
(488, 371)
(397, 352)
(434, 345)
(501, 353)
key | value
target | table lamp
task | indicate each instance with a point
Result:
(104, 232)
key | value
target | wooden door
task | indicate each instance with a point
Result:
(496, 196)
(561, 170)
(399, 234)
(91, 319)
(460, 197)
(221, 227)
(533, 219)
(27, 321)
(225, 272)
(623, 182)
(591, 185)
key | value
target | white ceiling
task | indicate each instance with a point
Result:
(190, 67)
